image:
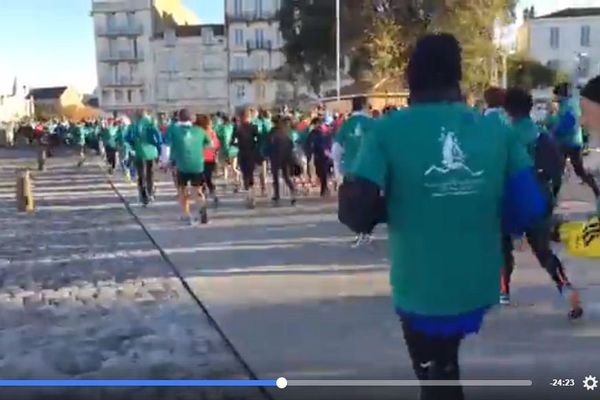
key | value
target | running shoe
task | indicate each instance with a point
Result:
(574, 299)
(203, 215)
(362, 240)
(505, 299)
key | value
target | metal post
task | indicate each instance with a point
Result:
(504, 70)
(338, 49)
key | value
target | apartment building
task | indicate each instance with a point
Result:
(567, 40)
(124, 30)
(190, 67)
(255, 53)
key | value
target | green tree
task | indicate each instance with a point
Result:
(309, 31)
(532, 74)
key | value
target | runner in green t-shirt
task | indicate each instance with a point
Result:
(346, 144)
(444, 184)
(188, 142)
(228, 153)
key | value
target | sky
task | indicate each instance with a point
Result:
(51, 42)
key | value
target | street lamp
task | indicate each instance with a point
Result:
(338, 50)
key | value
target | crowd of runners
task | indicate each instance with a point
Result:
(439, 168)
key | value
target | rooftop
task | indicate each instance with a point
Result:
(573, 13)
(47, 93)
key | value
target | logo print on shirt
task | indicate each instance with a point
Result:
(453, 158)
(449, 178)
(357, 131)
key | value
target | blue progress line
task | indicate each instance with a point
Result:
(135, 383)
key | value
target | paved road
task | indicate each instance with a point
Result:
(299, 303)
(85, 294)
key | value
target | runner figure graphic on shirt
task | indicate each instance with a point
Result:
(453, 158)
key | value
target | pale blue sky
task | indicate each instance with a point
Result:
(50, 42)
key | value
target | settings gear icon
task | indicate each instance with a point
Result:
(590, 382)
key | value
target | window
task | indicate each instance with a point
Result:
(112, 46)
(262, 63)
(259, 7)
(118, 96)
(170, 37)
(554, 38)
(130, 96)
(239, 37)
(259, 35)
(131, 19)
(261, 91)
(583, 69)
(237, 7)
(238, 63)
(132, 70)
(585, 36)
(240, 91)
(111, 20)
(207, 35)
(142, 95)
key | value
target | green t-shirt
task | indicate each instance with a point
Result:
(350, 136)
(225, 133)
(187, 148)
(109, 136)
(78, 134)
(143, 132)
(443, 167)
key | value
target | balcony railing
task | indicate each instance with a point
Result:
(120, 82)
(123, 30)
(121, 56)
(99, 6)
(259, 45)
(250, 73)
(250, 16)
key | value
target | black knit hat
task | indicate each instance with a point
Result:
(591, 91)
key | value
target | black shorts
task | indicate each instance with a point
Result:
(196, 180)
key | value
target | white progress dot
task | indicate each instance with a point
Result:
(281, 383)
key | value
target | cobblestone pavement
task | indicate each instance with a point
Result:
(84, 294)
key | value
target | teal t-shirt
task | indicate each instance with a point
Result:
(527, 133)
(187, 148)
(143, 131)
(78, 134)
(443, 167)
(109, 136)
(225, 133)
(350, 136)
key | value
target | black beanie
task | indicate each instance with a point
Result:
(591, 91)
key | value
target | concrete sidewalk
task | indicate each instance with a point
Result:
(300, 303)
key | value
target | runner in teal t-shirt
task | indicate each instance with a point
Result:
(444, 169)
(188, 142)
(347, 141)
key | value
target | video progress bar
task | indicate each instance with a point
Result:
(407, 383)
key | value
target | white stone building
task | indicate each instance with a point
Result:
(190, 69)
(123, 32)
(567, 40)
(255, 53)
(15, 104)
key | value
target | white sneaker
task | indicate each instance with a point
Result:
(362, 240)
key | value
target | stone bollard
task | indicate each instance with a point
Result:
(24, 192)
(42, 155)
